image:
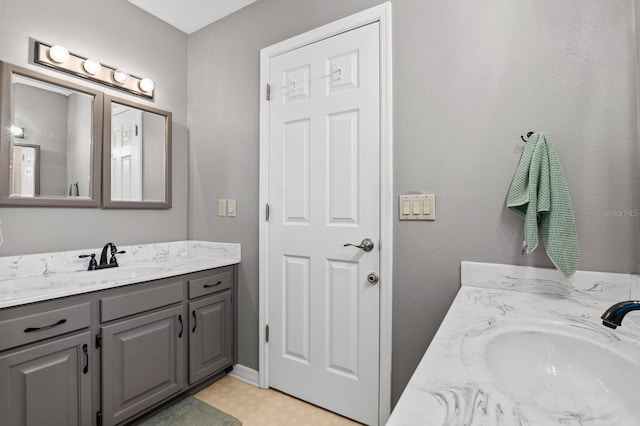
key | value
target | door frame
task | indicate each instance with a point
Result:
(381, 14)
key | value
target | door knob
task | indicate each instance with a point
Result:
(366, 245)
(373, 278)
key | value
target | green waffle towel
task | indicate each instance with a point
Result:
(539, 193)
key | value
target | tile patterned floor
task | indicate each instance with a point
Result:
(265, 407)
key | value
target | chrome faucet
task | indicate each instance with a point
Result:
(613, 316)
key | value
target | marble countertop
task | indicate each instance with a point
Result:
(452, 384)
(38, 277)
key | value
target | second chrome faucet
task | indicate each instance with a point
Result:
(613, 316)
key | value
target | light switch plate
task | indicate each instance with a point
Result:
(222, 207)
(231, 208)
(417, 207)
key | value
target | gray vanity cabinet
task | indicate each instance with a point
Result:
(210, 335)
(109, 357)
(47, 383)
(142, 361)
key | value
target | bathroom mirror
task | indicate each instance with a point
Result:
(137, 156)
(50, 143)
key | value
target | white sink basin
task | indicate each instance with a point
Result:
(75, 278)
(123, 272)
(558, 367)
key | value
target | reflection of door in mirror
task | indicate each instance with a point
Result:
(126, 153)
(137, 154)
(59, 121)
(26, 170)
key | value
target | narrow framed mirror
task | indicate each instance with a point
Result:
(50, 141)
(136, 156)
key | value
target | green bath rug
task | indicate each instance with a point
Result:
(191, 412)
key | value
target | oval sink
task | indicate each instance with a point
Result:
(124, 272)
(559, 368)
(103, 275)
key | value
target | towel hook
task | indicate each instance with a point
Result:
(528, 136)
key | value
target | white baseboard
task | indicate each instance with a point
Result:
(246, 374)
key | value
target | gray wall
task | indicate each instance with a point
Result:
(116, 33)
(469, 78)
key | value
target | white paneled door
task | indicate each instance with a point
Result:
(324, 184)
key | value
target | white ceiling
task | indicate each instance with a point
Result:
(190, 15)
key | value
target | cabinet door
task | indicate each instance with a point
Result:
(48, 384)
(210, 335)
(142, 362)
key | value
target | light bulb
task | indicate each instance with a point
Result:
(17, 132)
(58, 54)
(120, 76)
(91, 67)
(146, 85)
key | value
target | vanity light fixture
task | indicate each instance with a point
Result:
(60, 59)
(17, 132)
(91, 67)
(58, 54)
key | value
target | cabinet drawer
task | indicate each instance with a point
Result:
(218, 281)
(120, 306)
(42, 325)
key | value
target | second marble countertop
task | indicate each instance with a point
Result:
(451, 386)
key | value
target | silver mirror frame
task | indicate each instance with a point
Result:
(107, 202)
(6, 95)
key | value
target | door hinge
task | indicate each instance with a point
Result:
(266, 332)
(267, 212)
(268, 92)
(98, 341)
(99, 418)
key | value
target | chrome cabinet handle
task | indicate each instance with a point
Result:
(366, 245)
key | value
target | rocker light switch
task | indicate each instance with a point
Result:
(406, 206)
(231, 208)
(416, 207)
(429, 206)
(222, 207)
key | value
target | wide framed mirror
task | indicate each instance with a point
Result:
(136, 155)
(50, 140)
